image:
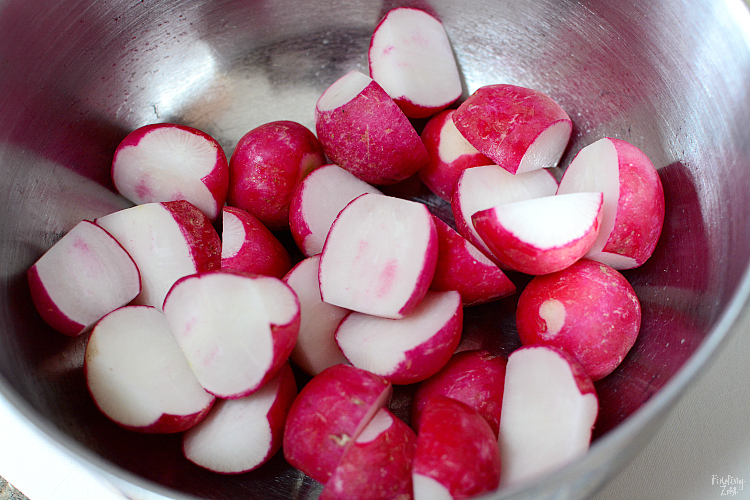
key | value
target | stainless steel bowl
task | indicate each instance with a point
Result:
(76, 76)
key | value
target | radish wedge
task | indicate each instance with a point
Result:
(248, 245)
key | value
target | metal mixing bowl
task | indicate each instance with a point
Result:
(75, 76)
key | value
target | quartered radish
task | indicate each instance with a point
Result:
(316, 347)
(235, 329)
(248, 245)
(589, 310)
(240, 435)
(328, 415)
(365, 132)
(518, 128)
(318, 200)
(379, 257)
(267, 165)
(411, 57)
(167, 241)
(138, 376)
(549, 409)
(633, 200)
(407, 350)
(170, 162)
(82, 277)
(541, 235)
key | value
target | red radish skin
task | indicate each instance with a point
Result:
(170, 162)
(450, 154)
(137, 375)
(518, 128)
(363, 131)
(378, 465)
(328, 415)
(589, 310)
(82, 277)
(457, 455)
(411, 57)
(474, 377)
(249, 246)
(267, 165)
(318, 200)
(407, 350)
(240, 435)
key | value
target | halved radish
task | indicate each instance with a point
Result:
(549, 409)
(318, 200)
(138, 376)
(316, 347)
(633, 213)
(480, 188)
(379, 257)
(541, 235)
(170, 162)
(518, 128)
(82, 277)
(363, 130)
(407, 350)
(411, 57)
(167, 241)
(377, 466)
(248, 245)
(235, 329)
(328, 415)
(240, 435)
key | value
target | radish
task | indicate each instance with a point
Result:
(240, 435)
(167, 241)
(518, 128)
(316, 347)
(248, 245)
(267, 165)
(328, 415)
(377, 466)
(411, 57)
(457, 455)
(474, 377)
(318, 200)
(138, 376)
(235, 329)
(633, 200)
(407, 350)
(363, 130)
(589, 310)
(464, 268)
(170, 162)
(480, 188)
(379, 257)
(549, 409)
(541, 235)
(450, 154)
(82, 277)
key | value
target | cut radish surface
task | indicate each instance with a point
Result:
(248, 245)
(239, 435)
(82, 277)
(549, 409)
(316, 347)
(235, 329)
(318, 200)
(411, 57)
(138, 376)
(379, 257)
(519, 129)
(541, 235)
(169, 162)
(406, 350)
(167, 241)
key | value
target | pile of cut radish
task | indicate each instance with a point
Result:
(199, 330)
